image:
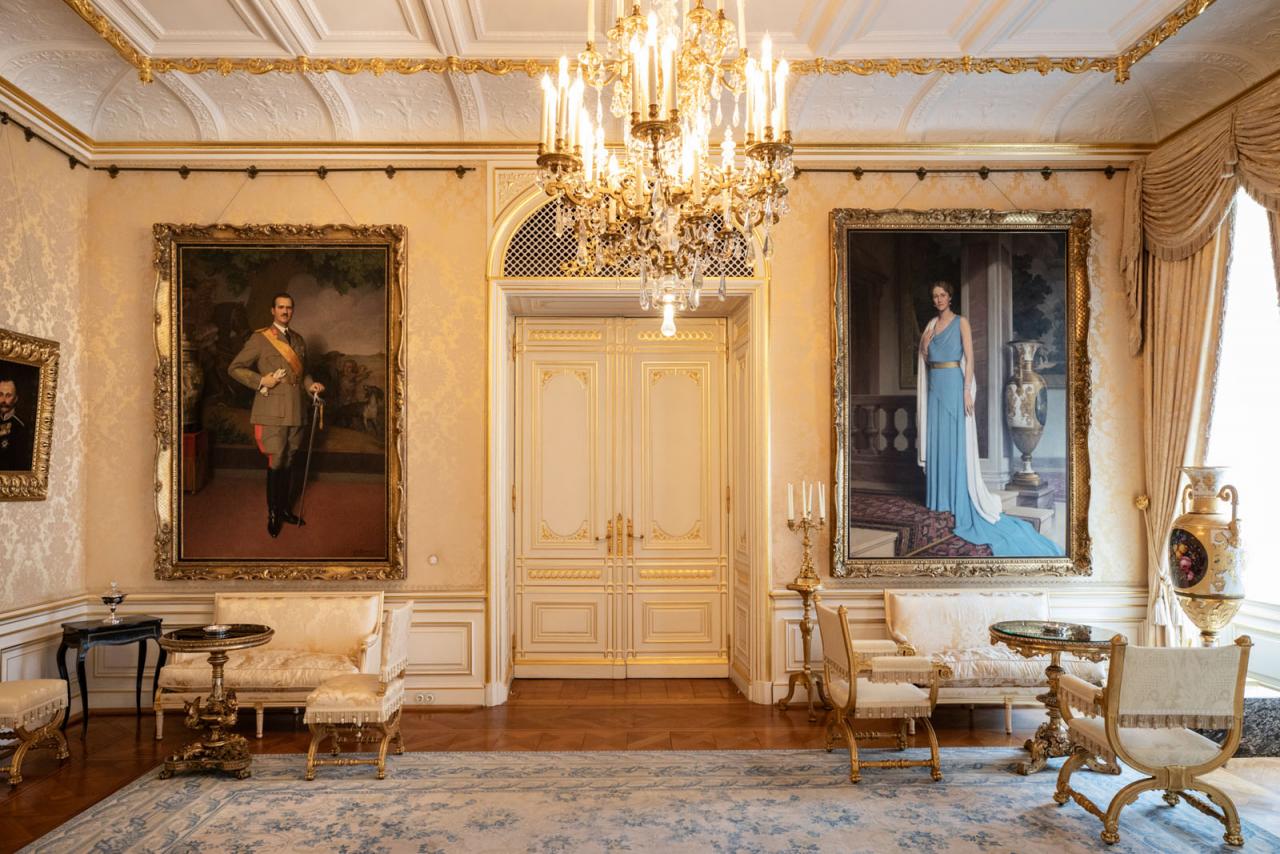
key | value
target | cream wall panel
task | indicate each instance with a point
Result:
(677, 623)
(563, 623)
(43, 262)
(445, 307)
(800, 349)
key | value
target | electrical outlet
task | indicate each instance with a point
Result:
(422, 699)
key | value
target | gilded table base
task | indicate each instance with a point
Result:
(216, 749)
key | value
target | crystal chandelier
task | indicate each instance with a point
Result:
(664, 204)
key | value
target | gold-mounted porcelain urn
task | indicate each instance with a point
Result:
(1206, 562)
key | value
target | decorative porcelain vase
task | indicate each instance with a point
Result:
(1026, 404)
(192, 380)
(1206, 562)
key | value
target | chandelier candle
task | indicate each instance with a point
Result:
(660, 204)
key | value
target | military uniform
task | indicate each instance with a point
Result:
(278, 412)
(15, 444)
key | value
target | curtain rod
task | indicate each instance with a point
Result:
(184, 171)
(983, 172)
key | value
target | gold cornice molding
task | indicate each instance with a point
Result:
(811, 154)
(148, 66)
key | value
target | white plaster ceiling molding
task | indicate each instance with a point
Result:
(75, 59)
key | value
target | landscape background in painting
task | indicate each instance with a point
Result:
(340, 309)
(1010, 286)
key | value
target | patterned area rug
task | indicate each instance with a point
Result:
(921, 532)
(740, 801)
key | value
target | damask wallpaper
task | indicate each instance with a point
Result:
(800, 345)
(43, 238)
(108, 352)
(446, 370)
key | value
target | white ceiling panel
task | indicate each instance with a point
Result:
(911, 28)
(1080, 27)
(269, 106)
(54, 56)
(396, 108)
(133, 110)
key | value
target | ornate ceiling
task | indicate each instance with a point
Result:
(50, 51)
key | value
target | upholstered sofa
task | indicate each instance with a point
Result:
(952, 627)
(317, 636)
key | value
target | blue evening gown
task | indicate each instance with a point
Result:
(945, 476)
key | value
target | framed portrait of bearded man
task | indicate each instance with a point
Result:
(961, 393)
(279, 401)
(28, 388)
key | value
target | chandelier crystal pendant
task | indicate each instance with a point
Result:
(664, 204)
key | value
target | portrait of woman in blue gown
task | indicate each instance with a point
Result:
(948, 445)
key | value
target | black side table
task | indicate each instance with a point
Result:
(85, 634)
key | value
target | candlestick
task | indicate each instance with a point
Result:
(591, 20)
(807, 584)
(742, 25)
(791, 503)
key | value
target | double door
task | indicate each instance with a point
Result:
(621, 503)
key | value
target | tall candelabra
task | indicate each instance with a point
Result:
(807, 584)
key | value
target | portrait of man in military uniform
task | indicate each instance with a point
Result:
(16, 434)
(285, 375)
(273, 364)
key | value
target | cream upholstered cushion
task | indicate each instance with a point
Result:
(933, 621)
(257, 668)
(395, 640)
(1079, 695)
(901, 668)
(339, 624)
(883, 700)
(359, 698)
(990, 666)
(1176, 687)
(31, 702)
(1154, 748)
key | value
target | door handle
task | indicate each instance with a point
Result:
(632, 537)
(608, 538)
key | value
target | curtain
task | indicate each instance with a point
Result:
(1179, 198)
(1183, 317)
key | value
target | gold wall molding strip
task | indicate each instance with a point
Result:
(1120, 65)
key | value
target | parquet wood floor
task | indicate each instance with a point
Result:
(543, 714)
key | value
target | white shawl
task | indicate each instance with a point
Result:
(987, 505)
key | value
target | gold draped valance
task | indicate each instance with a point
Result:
(1178, 198)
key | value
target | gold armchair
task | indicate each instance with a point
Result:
(1141, 717)
(876, 679)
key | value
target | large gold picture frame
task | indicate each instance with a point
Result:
(29, 378)
(216, 291)
(1028, 313)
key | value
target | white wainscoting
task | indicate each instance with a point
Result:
(1261, 622)
(1117, 607)
(446, 659)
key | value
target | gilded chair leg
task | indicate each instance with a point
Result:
(159, 724)
(855, 773)
(1171, 797)
(259, 710)
(902, 733)
(1230, 818)
(1077, 758)
(382, 753)
(830, 729)
(317, 736)
(935, 762)
(1124, 797)
(1008, 715)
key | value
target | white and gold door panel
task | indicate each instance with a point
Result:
(621, 560)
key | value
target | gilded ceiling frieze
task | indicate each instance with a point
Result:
(1120, 65)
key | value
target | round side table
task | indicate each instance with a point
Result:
(1032, 638)
(216, 749)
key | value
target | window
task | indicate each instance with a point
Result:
(1245, 433)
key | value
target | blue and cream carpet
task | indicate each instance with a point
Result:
(721, 801)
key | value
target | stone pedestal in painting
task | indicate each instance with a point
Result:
(1026, 404)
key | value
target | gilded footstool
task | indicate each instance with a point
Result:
(32, 709)
(358, 707)
(363, 706)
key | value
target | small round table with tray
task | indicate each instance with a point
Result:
(217, 748)
(1032, 638)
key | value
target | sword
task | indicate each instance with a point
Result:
(317, 411)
